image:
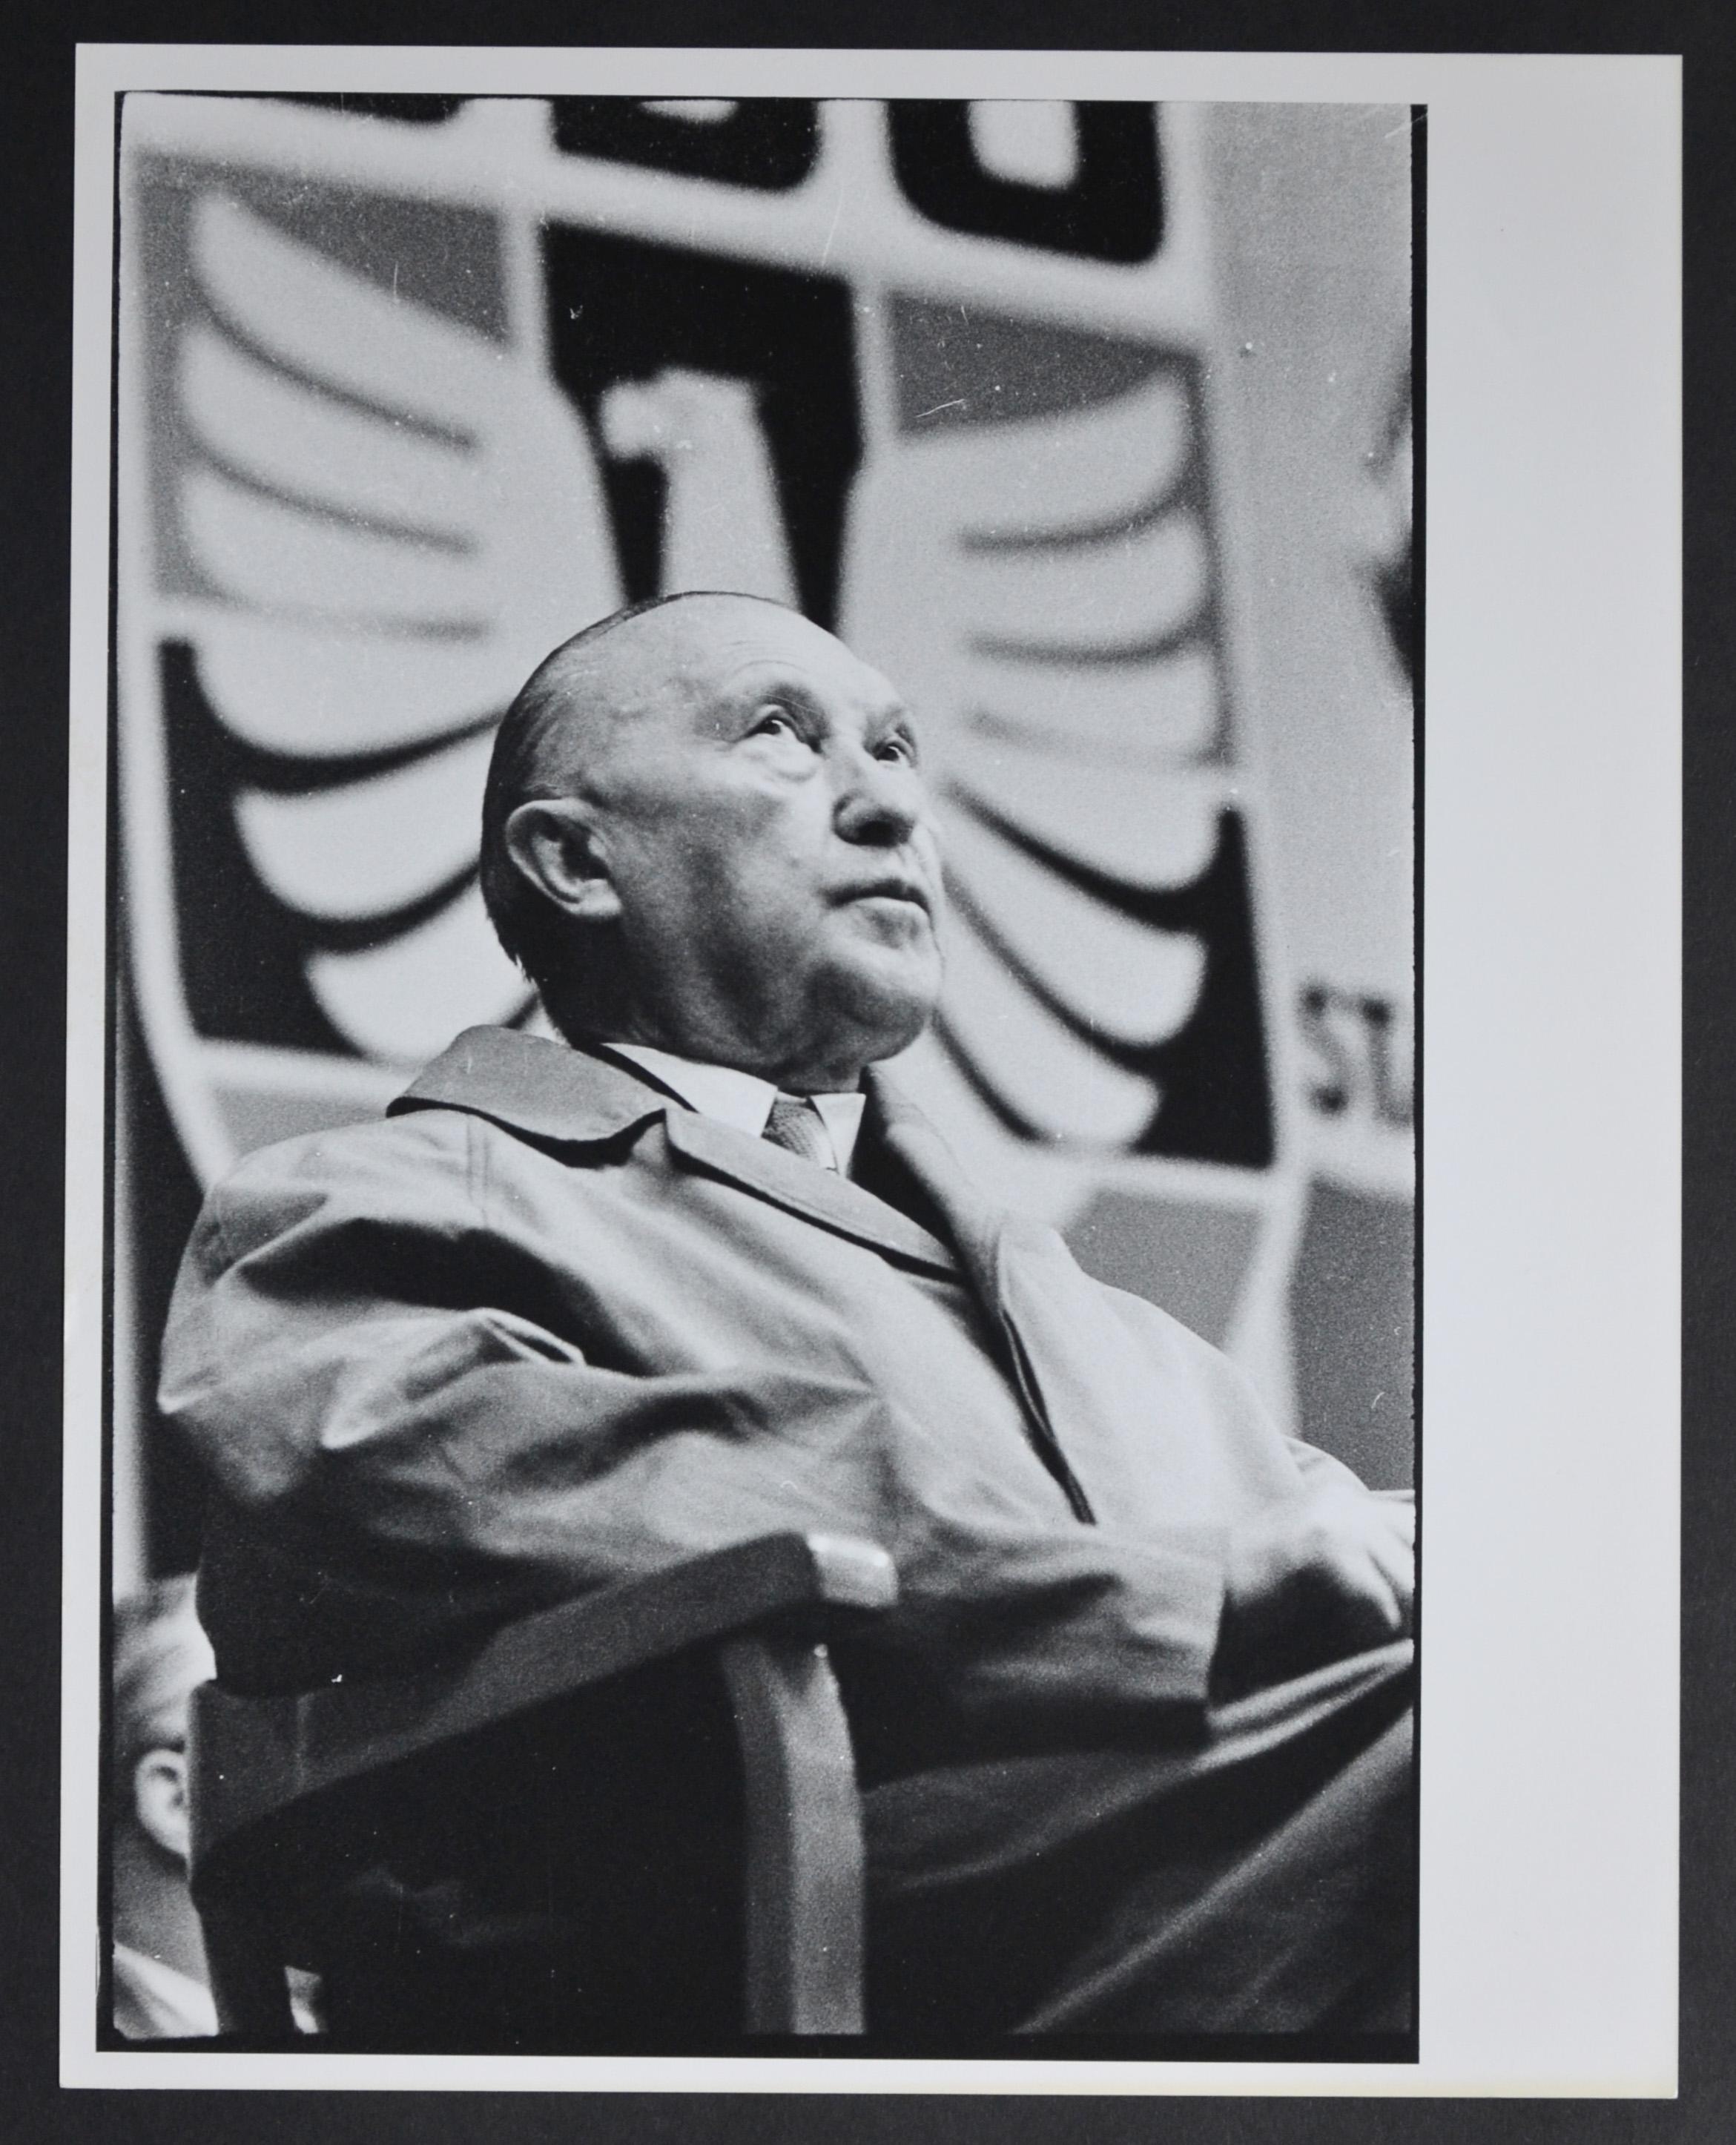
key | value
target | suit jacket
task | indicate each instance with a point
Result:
(544, 1327)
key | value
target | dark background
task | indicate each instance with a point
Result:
(36, 140)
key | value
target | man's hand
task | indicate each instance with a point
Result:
(1329, 1573)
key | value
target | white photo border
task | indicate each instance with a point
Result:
(1550, 1093)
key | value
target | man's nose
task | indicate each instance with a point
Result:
(880, 802)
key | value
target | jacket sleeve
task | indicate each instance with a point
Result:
(410, 1440)
(396, 1438)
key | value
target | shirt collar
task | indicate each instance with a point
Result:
(743, 1099)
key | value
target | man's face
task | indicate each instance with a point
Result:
(759, 814)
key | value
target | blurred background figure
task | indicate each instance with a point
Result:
(161, 1654)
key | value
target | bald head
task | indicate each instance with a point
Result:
(691, 794)
(556, 738)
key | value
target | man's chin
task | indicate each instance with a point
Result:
(882, 1006)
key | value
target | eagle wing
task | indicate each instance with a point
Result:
(1043, 587)
(399, 516)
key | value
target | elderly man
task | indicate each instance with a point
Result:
(1134, 1744)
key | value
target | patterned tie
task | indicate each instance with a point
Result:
(796, 1124)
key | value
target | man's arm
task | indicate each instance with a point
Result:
(353, 1352)
(1329, 1573)
(1323, 1566)
(410, 1439)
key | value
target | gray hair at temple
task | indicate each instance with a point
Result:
(532, 930)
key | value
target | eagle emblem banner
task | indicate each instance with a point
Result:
(410, 389)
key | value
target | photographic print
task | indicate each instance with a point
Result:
(1089, 426)
(761, 1199)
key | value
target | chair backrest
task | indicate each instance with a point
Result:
(261, 1766)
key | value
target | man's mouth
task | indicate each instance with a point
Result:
(891, 889)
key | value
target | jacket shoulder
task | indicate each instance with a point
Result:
(405, 1169)
(426, 1140)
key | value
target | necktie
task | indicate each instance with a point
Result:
(796, 1125)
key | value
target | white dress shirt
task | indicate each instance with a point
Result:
(744, 1099)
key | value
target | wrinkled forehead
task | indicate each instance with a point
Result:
(661, 676)
(676, 661)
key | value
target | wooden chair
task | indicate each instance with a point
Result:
(761, 1610)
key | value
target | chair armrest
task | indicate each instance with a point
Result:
(256, 1757)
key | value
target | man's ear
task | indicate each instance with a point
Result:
(159, 1800)
(551, 841)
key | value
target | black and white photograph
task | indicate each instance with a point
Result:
(761, 1385)
(911, 585)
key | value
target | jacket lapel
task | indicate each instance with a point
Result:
(787, 1181)
(987, 1239)
(571, 1097)
(974, 1225)
(568, 1097)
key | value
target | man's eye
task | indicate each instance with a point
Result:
(778, 722)
(897, 749)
